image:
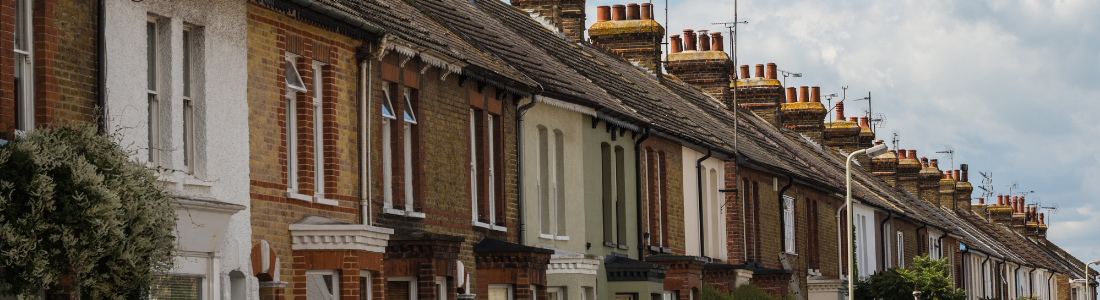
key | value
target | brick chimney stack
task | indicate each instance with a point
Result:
(929, 180)
(704, 66)
(1002, 212)
(762, 94)
(885, 166)
(567, 15)
(1042, 227)
(947, 190)
(865, 135)
(1019, 216)
(806, 115)
(841, 133)
(963, 190)
(632, 34)
(908, 171)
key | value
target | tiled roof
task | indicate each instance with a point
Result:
(409, 25)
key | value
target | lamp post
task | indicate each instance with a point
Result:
(872, 152)
(1088, 295)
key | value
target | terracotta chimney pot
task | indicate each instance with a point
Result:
(1042, 217)
(853, 119)
(689, 40)
(902, 154)
(759, 70)
(745, 71)
(981, 201)
(913, 154)
(618, 12)
(704, 41)
(716, 41)
(804, 94)
(817, 92)
(840, 111)
(647, 11)
(792, 95)
(772, 73)
(675, 43)
(1000, 200)
(934, 163)
(863, 122)
(633, 11)
(603, 13)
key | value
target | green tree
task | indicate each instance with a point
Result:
(743, 292)
(75, 210)
(929, 276)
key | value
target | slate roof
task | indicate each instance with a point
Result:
(410, 25)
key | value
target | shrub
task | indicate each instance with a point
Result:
(930, 276)
(76, 211)
(743, 292)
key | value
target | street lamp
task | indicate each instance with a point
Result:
(1087, 294)
(872, 152)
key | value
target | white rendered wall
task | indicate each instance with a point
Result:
(714, 219)
(221, 109)
(570, 124)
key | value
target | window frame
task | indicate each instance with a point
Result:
(153, 82)
(24, 62)
(556, 289)
(414, 293)
(387, 148)
(509, 290)
(789, 224)
(318, 69)
(291, 92)
(187, 43)
(367, 290)
(334, 289)
(900, 249)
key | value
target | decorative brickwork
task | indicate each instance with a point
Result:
(684, 274)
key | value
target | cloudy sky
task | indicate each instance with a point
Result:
(1012, 86)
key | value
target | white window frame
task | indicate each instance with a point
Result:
(294, 85)
(411, 281)
(508, 287)
(387, 151)
(369, 292)
(318, 136)
(558, 187)
(901, 250)
(559, 290)
(441, 288)
(473, 169)
(188, 99)
(789, 224)
(474, 200)
(24, 58)
(335, 281)
(153, 70)
(409, 120)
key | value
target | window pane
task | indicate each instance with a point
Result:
(187, 63)
(188, 133)
(151, 54)
(543, 182)
(387, 103)
(319, 287)
(498, 294)
(293, 79)
(559, 185)
(410, 116)
(20, 25)
(398, 290)
(177, 288)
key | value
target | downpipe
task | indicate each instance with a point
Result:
(638, 189)
(782, 213)
(522, 227)
(699, 186)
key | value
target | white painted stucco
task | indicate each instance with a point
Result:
(221, 118)
(714, 216)
(546, 117)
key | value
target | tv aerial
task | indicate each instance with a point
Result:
(950, 151)
(987, 185)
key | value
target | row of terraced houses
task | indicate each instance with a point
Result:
(479, 149)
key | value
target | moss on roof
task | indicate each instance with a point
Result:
(698, 55)
(803, 106)
(840, 125)
(756, 81)
(625, 26)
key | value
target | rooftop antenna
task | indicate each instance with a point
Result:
(987, 185)
(869, 110)
(791, 74)
(1013, 186)
(895, 140)
(844, 95)
(732, 26)
(950, 151)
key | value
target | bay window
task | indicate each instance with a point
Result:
(322, 285)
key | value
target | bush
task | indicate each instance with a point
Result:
(930, 276)
(743, 292)
(76, 212)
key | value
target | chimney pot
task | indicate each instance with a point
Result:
(863, 122)
(934, 163)
(804, 94)
(744, 71)
(618, 12)
(840, 111)
(981, 201)
(675, 43)
(1000, 200)
(772, 73)
(902, 154)
(1042, 216)
(704, 41)
(647, 11)
(716, 41)
(1016, 204)
(792, 95)
(759, 70)
(689, 40)
(947, 174)
(603, 13)
(958, 176)
(879, 142)
(912, 154)
(632, 11)
(817, 94)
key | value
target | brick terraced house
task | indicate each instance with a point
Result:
(453, 149)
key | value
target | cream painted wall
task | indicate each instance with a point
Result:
(714, 217)
(550, 119)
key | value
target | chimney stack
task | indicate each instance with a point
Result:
(704, 65)
(1019, 216)
(865, 133)
(963, 190)
(803, 116)
(947, 190)
(841, 133)
(885, 166)
(761, 95)
(567, 16)
(929, 180)
(631, 33)
(1002, 212)
(909, 171)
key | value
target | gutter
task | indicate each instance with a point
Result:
(522, 227)
(101, 62)
(782, 214)
(882, 235)
(699, 186)
(340, 16)
(638, 189)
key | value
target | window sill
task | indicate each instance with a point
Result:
(546, 236)
(197, 182)
(490, 226)
(617, 246)
(410, 214)
(321, 200)
(292, 194)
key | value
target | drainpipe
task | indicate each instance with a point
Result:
(101, 57)
(365, 97)
(638, 188)
(919, 239)
(782, 211)
(939, 244)
(984, 293)
(839, 241)
(519, 163)
(699, 186)
(882, 234)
